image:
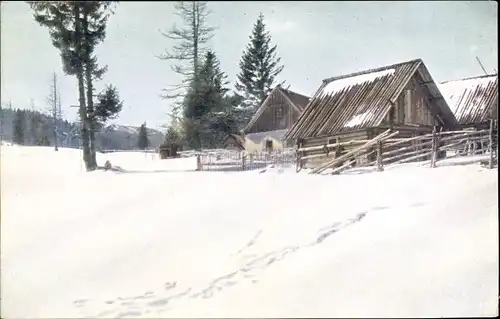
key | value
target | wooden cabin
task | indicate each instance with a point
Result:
(265, 141)
(360, 106)
(273, 118)
(473, 101)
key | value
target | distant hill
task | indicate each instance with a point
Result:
(125, 137)
(110, 137)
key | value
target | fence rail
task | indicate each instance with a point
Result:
(386, 149)
(127, 151)
(242, 161)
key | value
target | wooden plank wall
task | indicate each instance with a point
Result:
(267, 120)
(419, 114)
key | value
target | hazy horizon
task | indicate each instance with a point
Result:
(316, 40)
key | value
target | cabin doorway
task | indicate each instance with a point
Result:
(269, 145)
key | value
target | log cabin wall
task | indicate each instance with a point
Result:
(411, 107)
(278, 115)
(319, 141)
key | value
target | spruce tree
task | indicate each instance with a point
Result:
(43, 141)
(259, 67)
(35, 122)
(143, 140)
(64, 21)
(75, 29)
(2, 117)
(18, 127)
(206, 105)
(108, 105)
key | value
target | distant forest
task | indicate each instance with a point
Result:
(31, 127)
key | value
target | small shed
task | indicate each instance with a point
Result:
(168, 150)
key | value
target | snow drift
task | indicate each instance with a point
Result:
(165, 241)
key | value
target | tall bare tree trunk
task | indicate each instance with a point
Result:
(195, 40)
(90, 91)
(82, 107)
(54, 111)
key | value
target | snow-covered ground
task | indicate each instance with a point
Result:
(165, 241)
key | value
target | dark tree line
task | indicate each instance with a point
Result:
(35, 128)
(31, 127)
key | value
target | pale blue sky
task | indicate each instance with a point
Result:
(316, 40)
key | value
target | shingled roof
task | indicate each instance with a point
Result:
(472, 100)
(361, 100)
(296, 100)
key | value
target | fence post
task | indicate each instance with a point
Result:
(243, 161)
(495, 139)
(298, 155)
(433, 148)
(490, 163)
(198, 162)
(380, 167)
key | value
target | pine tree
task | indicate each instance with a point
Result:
(35, 122)
(2, 119)
(143, 140)
(108, 105)
(173, 141)
(220, 113)
(259, 67)
(205, 104)
(43, 141)
(75, 29)
(19, 127)
(64, 21)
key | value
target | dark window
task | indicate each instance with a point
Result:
(278, 112)
(392, 115)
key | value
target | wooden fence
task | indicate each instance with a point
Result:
(386, 149)
(242, 161)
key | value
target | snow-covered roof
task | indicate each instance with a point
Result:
(472, 100)
(342, 83)
(361, 100)
(260, 136)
